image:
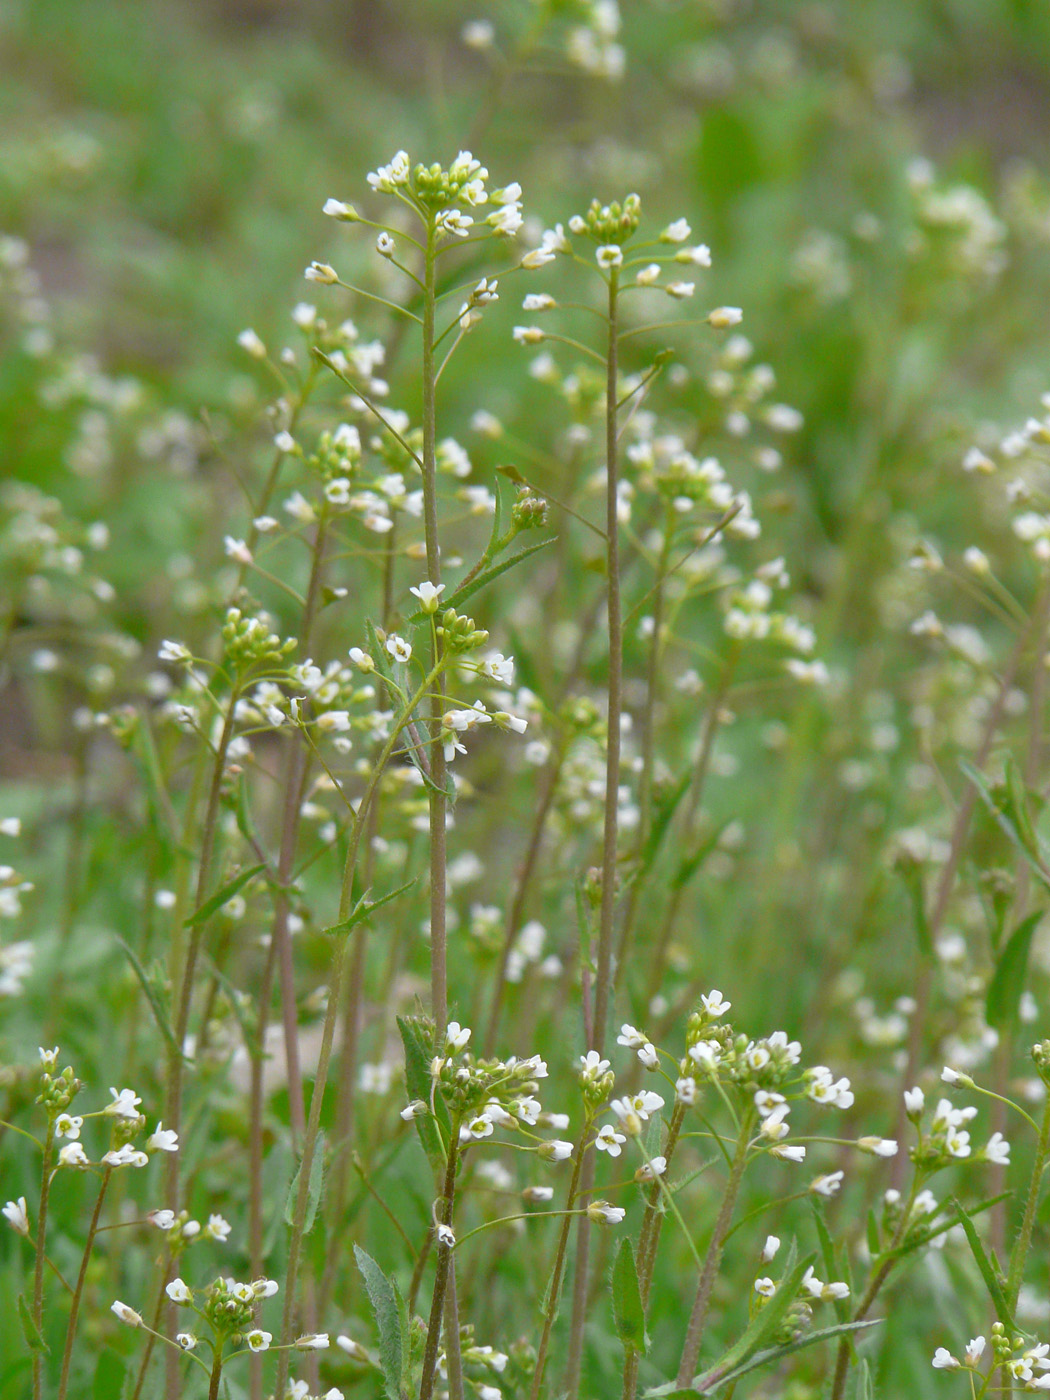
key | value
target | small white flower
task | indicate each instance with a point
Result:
(700, 256)
(646, 276)
(217, 1228)
(251, 343)
(126, 1314)
(649, 1171)
(163, 1140)
(648, 1055)
(16, 1215)
(456, 1037)
(414, 1110)
(630, 1038)
(336, 209)
(826, 1185)
(284, 442)
(943, 1360)
(265, 1287)
(765, 1287)
(725, 316)
(975, 1351)
(681, 291)
(313, 1341)
(555, 1151)
(162, 1219)
(398, 648)
(429, 595)
(317, 272)
(178, 1292)
(353, 1349)
(914, 1102)
(446, 1236)
(385, 245)
(609, 255)
(997, 1150)
(769, 1249)
(878, 1147)
(686, 1090)
(185, 1340)
(677, 232)
(714, 1004)
(537, 1195)
(609, 1140)
(605, 1214)
(73, 1155)
(258, 1340)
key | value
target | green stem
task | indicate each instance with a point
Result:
(78, 1291)
(554, 1287)
(1024, 1238)
(441, 1278)
(698, 1317)
(216, 1374)
(38, 1271)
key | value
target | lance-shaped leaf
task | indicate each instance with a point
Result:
(1002, 1005)
(391, 1321)
(988, 1273)
(418, 1055)
(221, 896)
(314, 1189)
(364, 908)
(628, 1313)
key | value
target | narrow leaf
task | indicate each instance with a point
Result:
(709, 1384)
(1003, 1002)
(314, 1188)
(487, 575)
(628, 1313)
(209, 907)
(765, 1323)
(418, 1054)
(34, 1341)
(910, 871)
(384, 1297)
(153, 996)
(1004, 822)
(991, 1279)
(363, 909)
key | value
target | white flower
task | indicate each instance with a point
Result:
(388, 177)
(178, 1292)
(677, 232)
(265, 1287)
(162, 1219)
(73, 1155)
(997, 1150)
(537, 1195)
(648, 1055)
(16, 1215)
(685, 1090)
(398, 648)
(604, 1213)
(714, 1005)
(385, 245)
(609, 1140)
(700, 256)
(878, 1147)
(826, 1185)
(429, 595)
(555, 1151)
(649, 1171)
(217, 1228)
(630, 1038)
(765, 1287)
(126, 1314)
(646, 276)
(528, 335)
(957, 1142)
(336, 209)
(48, 1058)
(681, 291)
(725, 316)
(446, 1236)
(914, 1102)
(609, 255)
(478, 34)
(414, 1110)
(318, 272)
(258, 1340)
(769, 1249)
(68, 1126)
(186, 1340)
(352, 1348)
(975, 1351)
(952, 1076)
(943, 1360)
(251, 343)
(591, 1065)
(163, 1140)
(313, 1341)
(456, 1037)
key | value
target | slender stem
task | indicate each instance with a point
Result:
(78, 1291)
(216, 1374)
(438, 801)
(444, 1258)
(1024, 1238)
(698, 1317)
(554, 1287)
(335, 998)
(603, 970)
(38, 1271)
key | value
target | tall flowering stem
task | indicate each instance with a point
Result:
(41, 1238)
(1041, 1054)
(78, 1291)
(561, 1252)
(698, 1317)
(444, 1262)
(607, 911)
(438, 799)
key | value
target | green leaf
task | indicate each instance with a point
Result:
(153, 996)
(829, 1256)
(208, 908)
(387, 1305)
(628, 1313)
(34, 1341)
(1004, 991)
(487, 575)
(765, 1323)
(873, 1235)
(910, 872)
(418, 1054)
(314, 1188)
(991, 1279)
(1005, 822)
(918, 1240)
(691, 864)
(771, 1355)
(363, 909)
(109, 1376)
